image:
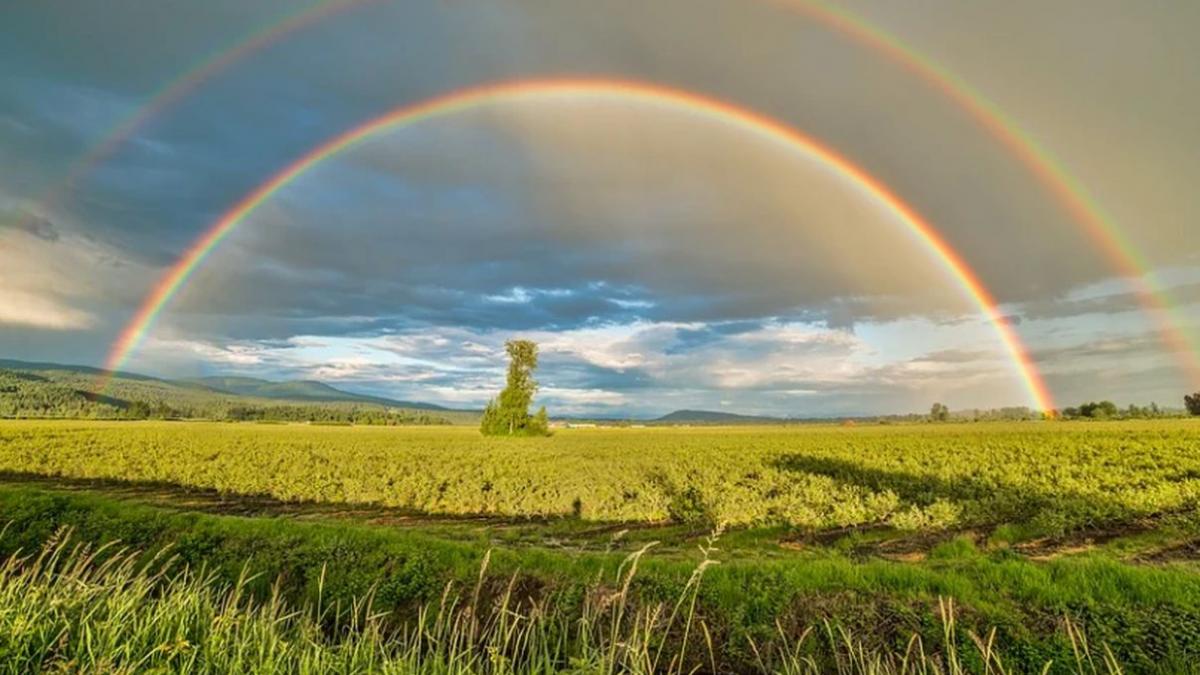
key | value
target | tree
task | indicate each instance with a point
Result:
(939, 412)
(1098, 410)
(1192, 403)
(509, 412)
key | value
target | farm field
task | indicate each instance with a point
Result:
(1043, 479)
(1024, 526)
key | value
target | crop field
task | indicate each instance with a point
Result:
(1050, 478)
(1044, 532)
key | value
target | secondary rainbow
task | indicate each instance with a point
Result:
(1067, 190)
(181, 86)
(622, 90)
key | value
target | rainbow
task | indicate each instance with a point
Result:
(180, 87)
(1069, 192)
(170, 283)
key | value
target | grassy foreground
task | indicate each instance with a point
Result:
(754, 613)
(80, 609)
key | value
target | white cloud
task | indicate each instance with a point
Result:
(24, 308)
(48, 278)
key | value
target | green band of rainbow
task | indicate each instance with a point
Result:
(1068, 191)
(626, 91)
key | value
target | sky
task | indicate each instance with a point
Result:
(662, 259)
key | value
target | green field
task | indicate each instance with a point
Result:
(1027, 527)
(1052, 478)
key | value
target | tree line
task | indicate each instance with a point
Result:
(1092, 410)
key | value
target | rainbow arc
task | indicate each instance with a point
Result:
(625, 91)
(1071, 194)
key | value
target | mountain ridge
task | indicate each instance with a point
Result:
(295, 391)
(712, 417)
(300, 390)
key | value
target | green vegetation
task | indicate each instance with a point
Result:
(1107, 410)
(1049, 478)
(855, 533)
(938, 412)
(1103, 410)
(509, 414)
(1192, 401)
(68, 392)
(755, 611)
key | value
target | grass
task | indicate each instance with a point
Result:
(1148, 616)
(1007, 543)
(75, 608)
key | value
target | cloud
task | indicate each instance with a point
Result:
(21, 308)
(651, 249)
(36, 226)
(954, 356)
(1183, 295)
(638, 368)
(53, 281)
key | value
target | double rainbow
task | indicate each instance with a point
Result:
(622, 90)
(1070, 193)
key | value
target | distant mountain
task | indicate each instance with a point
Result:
(712, 417)
(40, 389)
(35, 366)
(300, 390)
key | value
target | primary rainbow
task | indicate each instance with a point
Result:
(624, 90)
(178, 88)
(1070, 193)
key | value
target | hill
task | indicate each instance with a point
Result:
(713, 417)
(300, 390)
(30, 389)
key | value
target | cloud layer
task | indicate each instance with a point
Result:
(662, 259)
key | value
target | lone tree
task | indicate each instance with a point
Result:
(509, 413)
(1192, 402)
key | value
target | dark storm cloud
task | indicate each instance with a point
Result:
(249, 122)
(687, 339)
(186, 165)
(37, 226)
(576, 373)
(1183, 295)
(1116, 349)
(379, 237)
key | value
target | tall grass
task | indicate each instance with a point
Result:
(72, 608)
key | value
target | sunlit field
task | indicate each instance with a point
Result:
(1048, 477)
(1050, 533)
(682, 337)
